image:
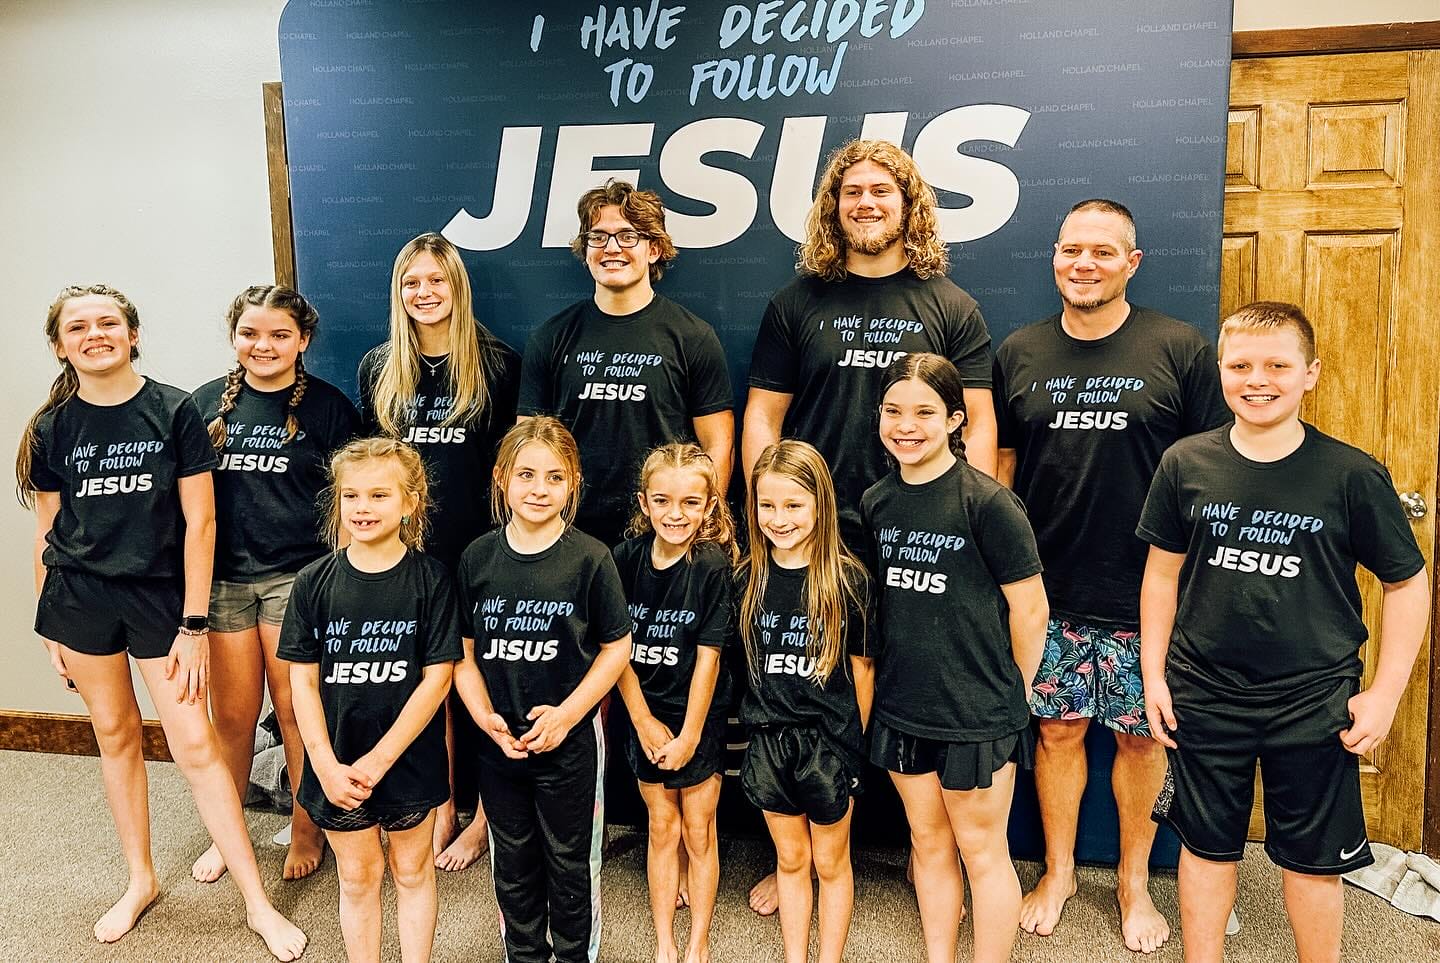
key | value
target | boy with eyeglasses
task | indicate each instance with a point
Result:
(627, 369)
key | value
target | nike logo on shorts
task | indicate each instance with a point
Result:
(1352, 853)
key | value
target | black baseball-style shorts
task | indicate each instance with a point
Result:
(708, 758)
(962, 766)
(795, 771)
(1314, 821)
(95, 615)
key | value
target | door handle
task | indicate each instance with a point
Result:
(1414, 504)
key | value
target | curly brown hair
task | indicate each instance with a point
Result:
(644, 209)
(823, 253)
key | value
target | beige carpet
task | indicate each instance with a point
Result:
(60, 868)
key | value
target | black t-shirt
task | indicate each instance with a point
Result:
(459, 459)
(675, 610)
(1268, 599)
(1089, 421)
(942, 550)
(268, 515)
(373, 634)
(538, 620)
(782, 691)
(828, 344)
(116, 468)
(622, 384)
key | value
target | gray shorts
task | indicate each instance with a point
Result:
(237, 606)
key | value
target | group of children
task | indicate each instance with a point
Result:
(914, 650)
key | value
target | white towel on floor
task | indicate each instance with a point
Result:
(1410, 881)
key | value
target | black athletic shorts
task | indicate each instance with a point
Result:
(795, 771)
(1314, 821)
(708, 758)
(962, 766)
(336, 820)
(106, 616)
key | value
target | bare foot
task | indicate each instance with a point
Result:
(122, 917)
(469, 846)
(670, 954)
(1042, 906)
(765, 896)
(447, 827)
(282, 937)
(306, 852)
(697, 955)
(682, 896)
(209, 867)
(1145, 930)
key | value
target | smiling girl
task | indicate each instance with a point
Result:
(676, 574)
(443, 383)
(274, 426)
(803, 618)
(547, 634)
(117, 468)
(372, 635)
(962, 616)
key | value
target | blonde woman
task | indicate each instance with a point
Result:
(443, 383)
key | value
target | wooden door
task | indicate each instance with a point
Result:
(1332, 201)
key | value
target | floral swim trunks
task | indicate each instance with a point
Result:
(1091, 672)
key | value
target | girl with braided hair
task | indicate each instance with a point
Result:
(444, 384)
(273, 426)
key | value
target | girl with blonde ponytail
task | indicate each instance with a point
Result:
(444, 384)
(273, 426)
(118, 468)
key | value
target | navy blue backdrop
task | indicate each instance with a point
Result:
(487, 120)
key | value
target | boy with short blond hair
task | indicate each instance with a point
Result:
(1251, 625)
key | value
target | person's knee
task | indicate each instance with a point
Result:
(118, 735)
(1313, 882)
(195, 748)
(412, 871)
(699, 833)
(1062, 734)
(664, 826)
(982, 849)
(235, 717)
(932, 840)
(360, 879)
(832, 863)
(1137, 747)
(792, 857)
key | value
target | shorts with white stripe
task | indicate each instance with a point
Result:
(547, 823)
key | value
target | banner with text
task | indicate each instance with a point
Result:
(487, 121)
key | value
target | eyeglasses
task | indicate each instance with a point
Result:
(600, 239)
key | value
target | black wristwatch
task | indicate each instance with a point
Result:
(195, 624)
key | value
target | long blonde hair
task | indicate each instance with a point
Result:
(823, 253)
(412, 479)
(67, 383)
(833, 573)
(719, 524)
(398, 377)
(541, 430)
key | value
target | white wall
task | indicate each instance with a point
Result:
(1279, 14)
(135, 144)
(134, 140)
